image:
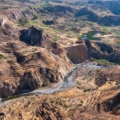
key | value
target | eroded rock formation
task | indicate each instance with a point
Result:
(25, 67)
(77, 53)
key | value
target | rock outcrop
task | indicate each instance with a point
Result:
(111, 75)
(52, 21)
(77, 53)
(8, 32)
(3, 21)
(35, 37)
(36, 108)
(86, 50)
(25, 67)
(99, 50)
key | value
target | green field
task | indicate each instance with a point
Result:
(104, 62)
(90, 35)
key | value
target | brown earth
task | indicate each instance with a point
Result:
(30, 60)
(77, 53)
(101, 105)
(25, 67)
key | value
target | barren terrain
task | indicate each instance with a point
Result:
(59, 60)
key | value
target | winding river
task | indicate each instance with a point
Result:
(68, 81)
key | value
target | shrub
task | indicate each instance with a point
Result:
(35, 17)
(1, 56)
(22, 21)
(104, 62)
(55, 38)
(87, 89)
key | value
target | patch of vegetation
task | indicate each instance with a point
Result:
(66, 106)
(90, 35)
(16, 96)
(35, 23)
(86, 90)
(44, 85)
(35, 17)
(105, 28)
(69, 34)
(57, 1)
(104, 62)
(46, 5)
(78, 36)
(118, 43)
(61, 103)
(56, 38)
(73, 34)
(37, 5)
(1, 56)
(117, 33)
(22, 22)
(42, 4)
(117, 82)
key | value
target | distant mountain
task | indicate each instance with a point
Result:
(113, 5)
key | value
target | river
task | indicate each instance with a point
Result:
(68, 81)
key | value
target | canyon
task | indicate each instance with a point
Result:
(59, 60)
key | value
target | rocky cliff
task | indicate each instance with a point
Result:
(77, 53)
(35, 37)
(25, 67)
(100, 50)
